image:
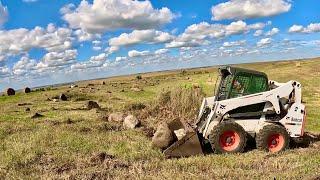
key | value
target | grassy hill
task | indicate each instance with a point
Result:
(69, 141)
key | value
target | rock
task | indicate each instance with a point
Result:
(92, 105)
(73, 86)
(163, 137)
(116, 117)
(298, 64)
(131, 122)
(135, 89)
(103, 83)
(55, 100)
(180, 133)
(27, 90)
(27, 109)
(195, 86)
(63, 97)
(36, 115)
(11, 92)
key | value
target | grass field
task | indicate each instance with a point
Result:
(72, 142)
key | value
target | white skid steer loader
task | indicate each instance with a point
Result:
(246, 105)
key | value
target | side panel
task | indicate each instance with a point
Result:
(295, 119)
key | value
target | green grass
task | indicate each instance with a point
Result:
(55, 148)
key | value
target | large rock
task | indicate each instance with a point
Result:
(116, 117)
(163, 137)
(131, 122)
(92, 105)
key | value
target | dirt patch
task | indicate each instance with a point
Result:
(37, 115)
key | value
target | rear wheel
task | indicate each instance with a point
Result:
(228, 137)
(273, 138)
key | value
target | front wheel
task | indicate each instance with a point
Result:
(273, 138)
(228, 137)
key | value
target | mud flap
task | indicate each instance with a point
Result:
(189, 145)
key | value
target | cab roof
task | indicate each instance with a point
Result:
(226, 70)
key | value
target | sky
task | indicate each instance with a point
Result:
(45, 42)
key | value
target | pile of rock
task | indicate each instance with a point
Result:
(128, 122)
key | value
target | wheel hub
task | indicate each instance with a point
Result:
(229, 140)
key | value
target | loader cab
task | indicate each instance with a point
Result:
(237, 82)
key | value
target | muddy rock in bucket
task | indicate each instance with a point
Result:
(163, 137)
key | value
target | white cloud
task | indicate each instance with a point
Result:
(4, 72)
(161, 51)
(264, 42)
(197, 34)
(96, 48)
(135, 53)
(243, 9)
(84, 36)
(296, 28)
(311, 28)
(120, 58)
(95, 61)
(258, 32)
(149, 36)
(24, 66)
(52, 60)
(272, 32)
(17, 41)
(3, 14)
(234, 43)
(105, 15)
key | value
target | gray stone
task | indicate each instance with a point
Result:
(116, 117)
(131, 122)
(163, 137)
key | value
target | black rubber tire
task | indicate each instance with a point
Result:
(214, 137)
(268, 130)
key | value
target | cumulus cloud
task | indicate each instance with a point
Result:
(84, 36)
(106, 15)
(272, 32)
(243, 9)
(135, 53)
(234, 43)
(161, 51)
(4, 72)
(57, 60)
(17, 41)
(94, 61)
(24, 66)
(311, 28)
(197, 34)
(258, 32)
(264, 42)
(149, 36)
(3, 14)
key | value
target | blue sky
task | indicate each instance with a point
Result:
(48, 41)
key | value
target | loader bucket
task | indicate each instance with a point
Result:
(189, 145)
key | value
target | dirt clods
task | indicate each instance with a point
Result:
(63, 97)
(131, 122)
(163, 136)
(92, 105)
(36, 115)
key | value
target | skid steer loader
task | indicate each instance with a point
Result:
(245, 106)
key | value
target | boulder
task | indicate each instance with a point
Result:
(63, 97)
(180, 133)
(27, 90)
(92, 105)
(131, 122)
(116, 117)
(11, 92)
(163, 137)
